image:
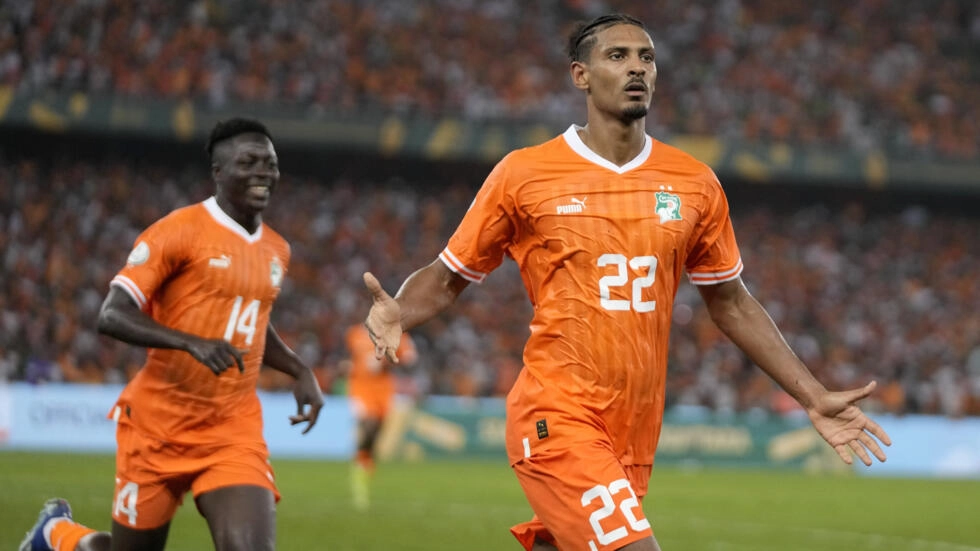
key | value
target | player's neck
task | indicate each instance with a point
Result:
(249, 221)
(614, 141)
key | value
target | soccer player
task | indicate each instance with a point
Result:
(602, 221)
(371, 389)
(197, 290)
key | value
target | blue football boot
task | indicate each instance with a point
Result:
(53, 508)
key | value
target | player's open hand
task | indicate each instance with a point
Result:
(843, 425)
(309, 400)
(217, 354)
(383, 321)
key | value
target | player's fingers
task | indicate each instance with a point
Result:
(309, 417)
(314, 415)
(858, 394)
(872, 445)
(860, 451)
(225, 358)
(845, 456)
(380, 348)
(878, 432)
(301, 414)
(237, 354)
(297, 419)
(217, 361)
(371, 332)
(392, 355)
(215, 366)
(220, 355)
(374, 286)
(300, 411)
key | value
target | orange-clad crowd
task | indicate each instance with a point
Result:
(861, 74)
(860, 292)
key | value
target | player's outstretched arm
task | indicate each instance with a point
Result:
(306, 390)
(425, 293)
(121, 318)
(835, 415)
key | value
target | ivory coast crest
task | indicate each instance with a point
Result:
(668, 206)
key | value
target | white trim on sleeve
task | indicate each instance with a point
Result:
(450, 260)
(131, 289)
(710, 278)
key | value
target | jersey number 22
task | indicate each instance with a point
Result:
(607, 283)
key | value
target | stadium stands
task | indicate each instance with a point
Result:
(863, 74)
(859, 292)
(875, 293)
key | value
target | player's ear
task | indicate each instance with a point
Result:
(580, 75)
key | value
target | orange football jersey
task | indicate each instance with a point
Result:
(198, 271)
(601, 250)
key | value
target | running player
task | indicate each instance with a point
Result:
(197, 290)
(371, 389)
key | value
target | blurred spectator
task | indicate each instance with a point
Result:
(862, 74)
(859, 294)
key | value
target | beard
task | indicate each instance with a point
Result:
(634, 112)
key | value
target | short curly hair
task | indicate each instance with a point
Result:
(224, 130)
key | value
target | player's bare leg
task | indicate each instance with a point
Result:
(642, 545)
(99, 541)
(368, 430)
(241, 518)
(128, 539)
(363, 468)
(649, 544)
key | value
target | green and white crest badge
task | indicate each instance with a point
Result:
(668, 206)
(275, 272)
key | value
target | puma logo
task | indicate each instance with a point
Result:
(223, 261)
(578, 205)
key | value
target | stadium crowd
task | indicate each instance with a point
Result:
(862, 74)
(859, 293)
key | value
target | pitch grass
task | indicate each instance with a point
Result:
(456, 505)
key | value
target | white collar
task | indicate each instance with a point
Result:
(222, 217)
(578, 146)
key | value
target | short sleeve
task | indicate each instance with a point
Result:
(156, 254)
(714, 256)
(478, 245)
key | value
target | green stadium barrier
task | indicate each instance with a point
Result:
(459, 428)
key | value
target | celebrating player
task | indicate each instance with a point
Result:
(602, 221)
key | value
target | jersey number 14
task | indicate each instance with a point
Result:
(242, 320)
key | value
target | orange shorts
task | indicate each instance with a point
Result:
(584, 499)
(152, 476)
